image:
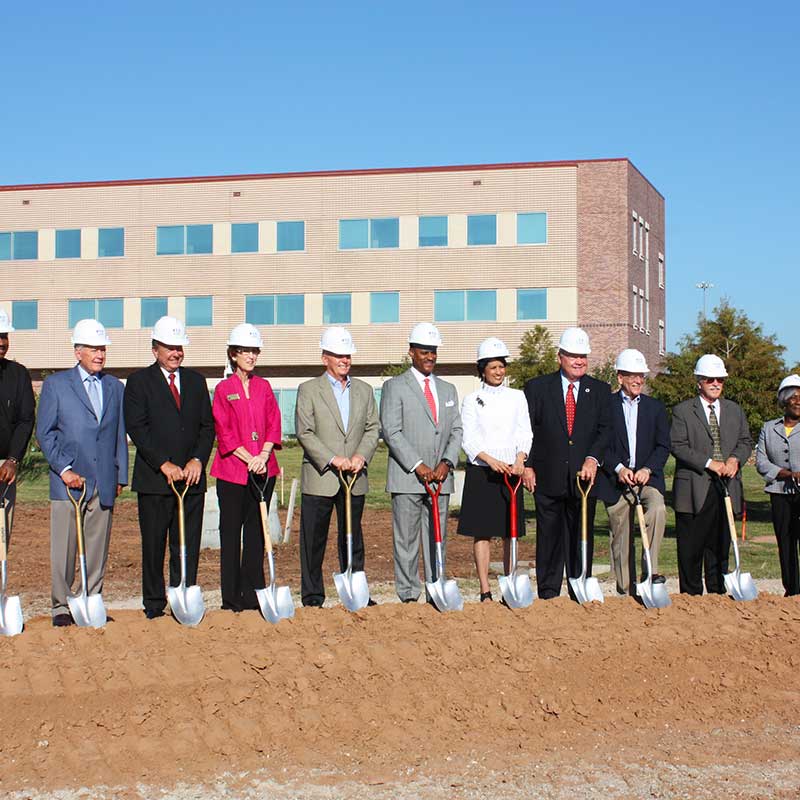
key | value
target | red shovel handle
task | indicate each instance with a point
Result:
(437, 525)
(512, 489)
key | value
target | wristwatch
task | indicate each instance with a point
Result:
(449, 463)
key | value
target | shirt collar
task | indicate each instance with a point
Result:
(565, 381)
(631, 400)
(337, 383)
(419, 376)
(84, 374)
(166, 373)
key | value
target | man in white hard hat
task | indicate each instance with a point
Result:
(634, 461)
(710, 441)
(422, 427)
(336, 422)
(571, 421)
(168, 417)
(16, 418)
(81, 431)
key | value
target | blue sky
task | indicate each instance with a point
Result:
(703, 98)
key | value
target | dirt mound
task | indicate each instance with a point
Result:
(392, 690)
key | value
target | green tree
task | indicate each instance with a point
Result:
(606, 372)
(753, 359)
(390, 370)
(537, 356)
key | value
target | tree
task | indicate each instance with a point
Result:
(753, 359)
(606, 372)
(537, 356)
(390, 370)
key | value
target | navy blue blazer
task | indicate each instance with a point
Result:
(652, 446)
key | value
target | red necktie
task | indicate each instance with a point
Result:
(431, 401)
(570, 408)
(176, 395)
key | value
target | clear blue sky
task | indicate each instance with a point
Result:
(704, 98)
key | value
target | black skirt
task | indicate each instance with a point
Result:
(485, 509)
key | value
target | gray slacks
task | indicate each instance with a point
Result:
(412, 526)
(64, 549)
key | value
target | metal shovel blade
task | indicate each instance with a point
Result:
(88, 611)
(352, 588)
(276, 603)
(654, 595)
(516, 589)
(445, 595)
(586, 589)
(740, 585)
(10, 616)
(186, 603)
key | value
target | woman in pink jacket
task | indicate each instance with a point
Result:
(248, 425)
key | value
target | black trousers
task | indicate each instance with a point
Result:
(786, 522)
(315, 519)
(241, 543)
(558, 542)
(704, 541)
(158, 521)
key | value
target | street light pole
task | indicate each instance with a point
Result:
(705, 286)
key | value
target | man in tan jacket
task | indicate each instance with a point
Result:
(337, 426)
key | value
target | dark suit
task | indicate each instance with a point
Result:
(163, 433)
(556, 459)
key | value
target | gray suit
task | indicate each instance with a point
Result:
(413, 436)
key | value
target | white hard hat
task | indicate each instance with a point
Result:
(575, 340)
(630, 360)
(425, 334)
(337, 341)
(170, 331)
(245, 335)
(90, 332)
(5, 323)
(789, 381)
(492, 348)
(710, 366)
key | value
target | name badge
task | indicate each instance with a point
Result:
(254, 436)
(234, 397)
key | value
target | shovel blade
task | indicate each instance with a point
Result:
(653, 595)
(516, 589)
(275, 603)
(186, 603)
(88, 611)
(740, 586)
(10, 616)
(586, 590)
(353, 589)
(445, 595)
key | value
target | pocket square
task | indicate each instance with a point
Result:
(449, 403)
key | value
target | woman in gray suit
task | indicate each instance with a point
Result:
(778, 462)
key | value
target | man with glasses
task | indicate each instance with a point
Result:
(710, 442)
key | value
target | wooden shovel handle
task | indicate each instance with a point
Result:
(262, 506)
(3, 545)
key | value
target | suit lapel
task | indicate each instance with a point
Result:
(557, 397)
(162, 388)
(329, 398)
(701, 416)
(355, 406)
(77, 386)
(621, 427)
(416, 390)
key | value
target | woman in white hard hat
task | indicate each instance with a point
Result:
(778, 462)
(497, 440)
(248, 426)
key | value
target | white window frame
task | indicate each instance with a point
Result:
(635, 309)
(661, 338)
(634, 218)
(641, 238)
(660, 270)
(643, 322)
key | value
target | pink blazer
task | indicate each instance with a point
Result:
(236, 419)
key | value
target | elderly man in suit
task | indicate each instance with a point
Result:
(82, 435)
(422, 426)
(571, 421)
(710, 441)
(168, 417)
(336, 422)
(637, 452)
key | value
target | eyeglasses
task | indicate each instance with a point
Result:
(712, 380)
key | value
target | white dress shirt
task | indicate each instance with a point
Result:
(432, 383)
(630, 410)
(177, 375)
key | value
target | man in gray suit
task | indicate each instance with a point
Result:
(710, 441)
(81, 431)
(422, 427)
(337, 426)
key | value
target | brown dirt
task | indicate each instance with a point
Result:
(557, 700)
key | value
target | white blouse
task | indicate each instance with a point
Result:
(497, 422)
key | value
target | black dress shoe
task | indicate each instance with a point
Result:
(371, 602)
(658, 578)
(410, 600)
(153, 613)
(486, 596)
(313, 604)
(62, 620)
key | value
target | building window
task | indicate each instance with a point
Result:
(335, 309)
(271, 309)
(353, 234)
(634, 230)
(660, 270)
(641, 239)
(433, 231)
(111, 242)
(635, 307)
(108, 311)
(531, 304)
(25, 315)
(152, 309)
(68, 244)
(199, 311)
(647, 243)
(661, 338)
(19, 245)
(177, 240)
(287, 400)
(384, 232)
(199, 239)
(359, 234)
(384, 306)
(244, 237)
(532, 228)
(473, 305)
(481, 229)
(644, 321)
(291, 236)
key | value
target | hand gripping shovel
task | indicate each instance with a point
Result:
(186, 602)
(351, 586)
(585, 589)
(10, 609)
(275, 601)
(87, 610)
(654, 595)
(445, 594)
(739, 584)
(516, 586)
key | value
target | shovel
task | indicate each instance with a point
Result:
(10, 609)
(87, 610)
(585, 589)
(516, 586)
(654, 595)
(275, 601)
(186, 602)
(445, 594)
(351, 586)
(739, 584)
